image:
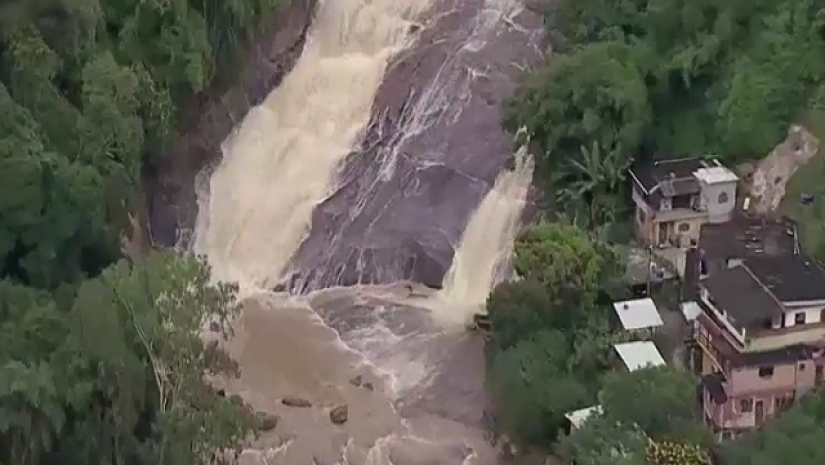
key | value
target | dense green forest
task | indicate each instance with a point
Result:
(630, 80)
(634, 79)
(100, 358)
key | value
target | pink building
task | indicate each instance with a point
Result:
(758, 330)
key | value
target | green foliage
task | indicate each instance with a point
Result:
(121, 373)
(101, 360)
(583, 113)
(532, 389)
(551, 335)
(642, 78)
(565, 260)
(517, 310)
(604, 441)
(648, 416)
(659, 400)
(674, 453)
(794, 437)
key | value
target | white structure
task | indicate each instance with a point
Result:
(691, 311)
(639, 354)
(578, 417)
(638, 314)
(718, 192)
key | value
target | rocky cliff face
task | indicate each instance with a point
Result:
(430, 154)
(169, 187)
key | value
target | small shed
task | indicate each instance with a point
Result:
(639, 354)
(638, 315)
(578, 417)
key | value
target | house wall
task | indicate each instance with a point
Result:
(718, 212)
(747, 381)
(739, 413)
(746, 390)
(778, 338)
(813, 314)
(685, 231)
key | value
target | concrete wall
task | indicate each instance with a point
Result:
(746, 381)
(710, 196)
(813, 315)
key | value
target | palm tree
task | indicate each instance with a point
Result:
(595, 179)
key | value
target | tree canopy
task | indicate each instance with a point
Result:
(794, 437)
(101, 360)
(551, 337)
(631, 80)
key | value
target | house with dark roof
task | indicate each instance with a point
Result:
(746, 236)
(759, 337)
(674, 198)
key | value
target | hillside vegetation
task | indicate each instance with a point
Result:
(633, 79)
(630, 80)
(100, 359)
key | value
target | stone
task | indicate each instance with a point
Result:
(356, 381)
(368, 386)
(265, 421)
(214, 326)
(280, 287)
(292, 401)
(339, 415)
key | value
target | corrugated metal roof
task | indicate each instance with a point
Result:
(639, 354)
(638, 314)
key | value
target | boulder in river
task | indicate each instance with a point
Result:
(292, 401)
(339, 415)
(265, 421)
(356, 381)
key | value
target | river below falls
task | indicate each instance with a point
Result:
(375, 167)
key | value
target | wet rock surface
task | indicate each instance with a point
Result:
(169, 186)
(265, 421)
(299, 402)
(431, 152)
(339, 415)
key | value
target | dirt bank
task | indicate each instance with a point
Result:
(169, 185)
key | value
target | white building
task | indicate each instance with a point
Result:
(638, 315)
(639, 354)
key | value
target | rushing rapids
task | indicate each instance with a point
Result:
(332, 155)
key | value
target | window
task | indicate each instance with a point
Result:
(765, 372)
(799, 318)
(684, 227)
(801, 367)
(746, 405)
(781, 402)
(723, 198)
(641, 215)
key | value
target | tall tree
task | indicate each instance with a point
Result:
(532, 389)
(603, 441)
(660, 400)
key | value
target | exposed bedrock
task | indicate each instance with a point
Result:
(431, 152)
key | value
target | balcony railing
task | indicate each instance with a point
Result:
(702, 338)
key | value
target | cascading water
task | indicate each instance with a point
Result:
(419, 397)
(279, 163)
(486, 243)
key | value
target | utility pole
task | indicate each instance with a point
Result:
(649, 268)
